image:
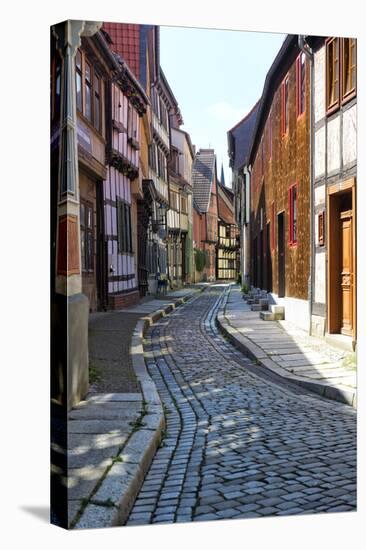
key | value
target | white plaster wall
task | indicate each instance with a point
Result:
(319, 195)
(333, 129)
(317, 326)
(296, 311)
(349, 138)
(319, 84)
(320, 277)
(319, 156)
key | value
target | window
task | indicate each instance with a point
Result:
(129, 121)
(321, 228)
(270, 136)
(293, 214)
(124, 227)
(88, 90)
(56, 86)
(79, 93)
(300, 84)
(86, 236)
(285, 105)
(348, 67)
(174, 162)
(332, 74)
(97, 102)
(340, 71)
(184, 205)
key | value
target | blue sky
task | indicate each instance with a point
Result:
(216, 76)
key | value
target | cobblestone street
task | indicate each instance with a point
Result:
(238, 444)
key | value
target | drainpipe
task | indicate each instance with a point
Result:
(304, 47)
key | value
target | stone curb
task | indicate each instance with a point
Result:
(124, 480)
(338, 393)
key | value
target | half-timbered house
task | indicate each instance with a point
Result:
(334, 159)
(80, 68)
(128, 103)
(205, 215)
(239, 141)
(227, 251)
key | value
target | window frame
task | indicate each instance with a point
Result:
(90, 84)
(299, 81)
(285, 88)
(347, 95)
(270, 134)
(86, 233)
(124, 227)
(293, 228)
(321, 228)
(56, 73)
(272, 228)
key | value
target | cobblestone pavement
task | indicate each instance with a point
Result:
(238, 444)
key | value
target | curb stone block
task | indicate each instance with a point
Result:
(340, 394)
(124, 479)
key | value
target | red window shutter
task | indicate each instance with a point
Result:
(290, 215)
(282, 108)
(297, 86)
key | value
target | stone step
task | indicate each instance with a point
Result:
(279, 311)
(267, 316)
(263, 302)
(259, 307)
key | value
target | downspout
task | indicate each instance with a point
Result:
(304, 47)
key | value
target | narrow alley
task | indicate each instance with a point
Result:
(238, 444)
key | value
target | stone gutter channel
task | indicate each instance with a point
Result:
(113, 495)
(250, 349)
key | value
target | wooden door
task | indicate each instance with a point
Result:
(281, 255)
(261, 259)
(268, 259)
(346, 274)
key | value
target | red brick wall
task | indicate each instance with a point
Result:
(126, 42)
(118, 301)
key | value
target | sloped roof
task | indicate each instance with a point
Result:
(240, 138)
(283, 60)
(202, 177)
(225, 205)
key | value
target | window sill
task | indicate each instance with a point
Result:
(332, 109)
(351, 95)
(89, 124)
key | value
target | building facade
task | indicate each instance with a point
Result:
(180, 242)
(333, 306)
(228, 248)
(239, 140)
(80, 67)
(122, 188)
(280, 185)
(205, 213)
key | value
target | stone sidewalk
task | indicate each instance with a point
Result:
(114, 433)
(287, 351)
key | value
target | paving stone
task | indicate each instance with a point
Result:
(248, 507)
(205, 517)
(273, 501)
(267, 511)
(239, 440)
(224, 504)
